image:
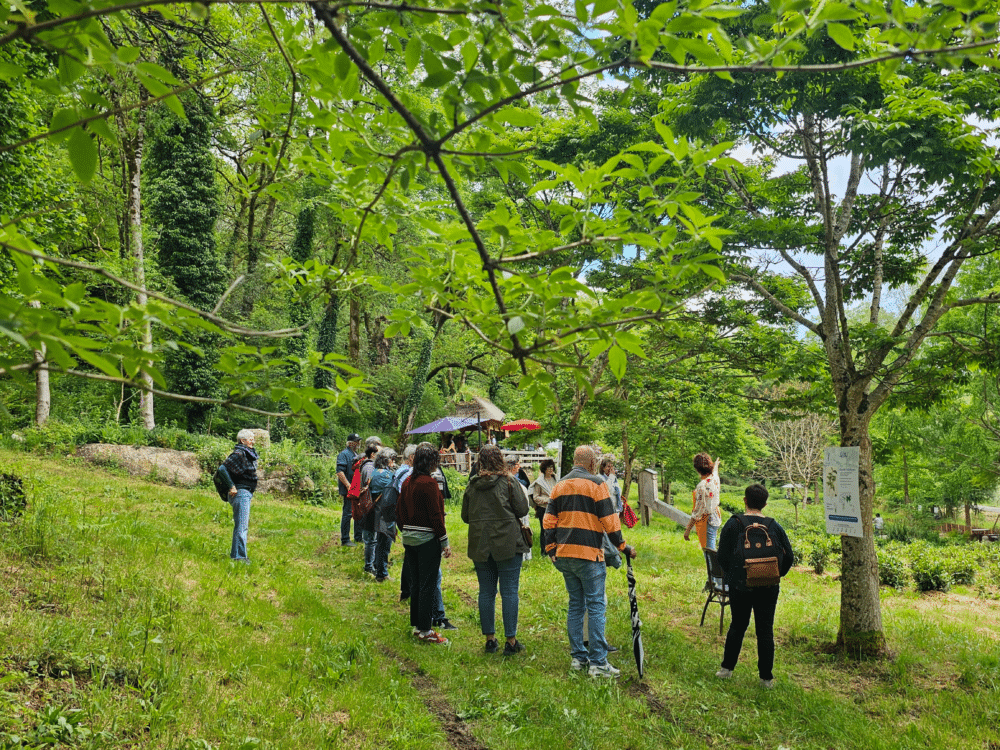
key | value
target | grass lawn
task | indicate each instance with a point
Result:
(123, 624)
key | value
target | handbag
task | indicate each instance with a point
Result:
(630, 519)
(526, 534)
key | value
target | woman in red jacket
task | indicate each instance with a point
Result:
(420, 517)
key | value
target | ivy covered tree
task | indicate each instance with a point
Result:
(183, 207)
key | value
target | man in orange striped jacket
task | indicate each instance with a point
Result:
(578, 515)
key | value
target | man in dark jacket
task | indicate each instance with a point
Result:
(345, 473)
(762, 600)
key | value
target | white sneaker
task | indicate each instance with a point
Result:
(577, 664)
(767, 684)
(603, 670)
(724, 674)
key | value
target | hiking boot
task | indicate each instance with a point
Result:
(767, 684)
(511, 650)
(612, 649)
(444, 624)
(348, 543)
(492, 646)
(578, 664)
(603, 670)
(432, 637)
(724, 674)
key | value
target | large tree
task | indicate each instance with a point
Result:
(871, 193)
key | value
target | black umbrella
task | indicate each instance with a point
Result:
(636, 622)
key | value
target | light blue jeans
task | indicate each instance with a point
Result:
(585, 586)
(508, 574)
(241, 522)
(711, 537)
(370, 539)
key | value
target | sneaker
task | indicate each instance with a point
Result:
(517, 648)
(603, 670)
(612, 649)
(444, 624)
(767, 684)
(416, 631)
(432, 637)
(492, 646)
(724, 674)
(382, 579)
(578, 664)
(370, 573)
(348, 543)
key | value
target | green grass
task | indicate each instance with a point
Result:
(123, 624)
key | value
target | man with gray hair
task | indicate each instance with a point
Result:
(240, 471)
(577, 517)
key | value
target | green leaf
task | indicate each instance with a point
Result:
(412, 56)
(438, 79)
(842, 35)
(82, 154)
(617, 360)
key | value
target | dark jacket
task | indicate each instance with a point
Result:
(420, 507)
(735, 573)
(493, 506)
(242, 467)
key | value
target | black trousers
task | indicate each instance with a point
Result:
(762, 603)
(423, 562)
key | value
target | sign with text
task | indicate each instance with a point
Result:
(841, 496)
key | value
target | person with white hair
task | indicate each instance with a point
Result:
(240, 469)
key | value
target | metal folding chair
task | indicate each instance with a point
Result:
(718, 591)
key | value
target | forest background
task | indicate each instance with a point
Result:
(665, 227)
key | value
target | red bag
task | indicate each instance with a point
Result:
(354, 491)
(630, 517)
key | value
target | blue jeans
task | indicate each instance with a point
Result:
(370, 538)
(241, 522)
(345, 523)
(711, 537)
(383, 546)
(585, 586)
(508, 574)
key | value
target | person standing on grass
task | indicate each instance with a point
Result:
(578, 515)
(492, 505)
(241, 470)
(611, 477)
(345, 473)
(761, 601)
(513, 463)
(705, 514)
(380, 480)
(420, 515)
(540, 490)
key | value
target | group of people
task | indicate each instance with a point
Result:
(580, 530)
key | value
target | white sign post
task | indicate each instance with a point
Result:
(841, 491)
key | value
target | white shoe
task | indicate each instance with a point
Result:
(577, 664)
(603, 670)
(724, 674)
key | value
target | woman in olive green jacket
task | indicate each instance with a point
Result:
(492, 505)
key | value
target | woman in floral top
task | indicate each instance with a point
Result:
(705, 515)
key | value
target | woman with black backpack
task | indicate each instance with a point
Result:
(755, 554)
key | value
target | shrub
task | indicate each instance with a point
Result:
(961, 564)
(892, 567)
(931, 571)
(12, 498)
(818, 557)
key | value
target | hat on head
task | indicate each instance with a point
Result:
(353, 437)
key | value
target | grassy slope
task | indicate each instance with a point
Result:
(117, 599)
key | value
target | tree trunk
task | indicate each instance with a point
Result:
(968, 517)
(860, 609)
(906, 480)
(43, 396)
(354, 332)
(627, 459)
(135, 227)
(417, 387)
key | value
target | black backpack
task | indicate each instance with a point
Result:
(759, 552)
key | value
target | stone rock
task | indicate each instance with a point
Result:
(164, 464)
